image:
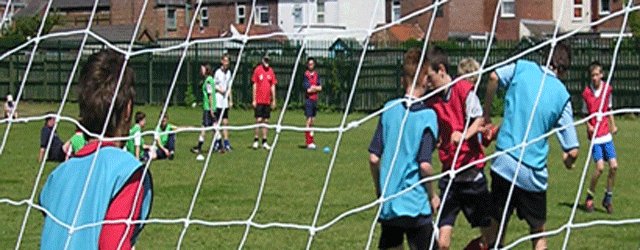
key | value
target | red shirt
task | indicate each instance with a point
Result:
(263, 78)
(311, 79)
(120, 207)
(451, 117)
(593, 103)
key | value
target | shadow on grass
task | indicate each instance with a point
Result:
(581, 207)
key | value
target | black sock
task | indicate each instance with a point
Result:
(255, 139)
(264, 140)
(200, 145)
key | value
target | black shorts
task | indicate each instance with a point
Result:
(222, 111)
(310, 108)
(472, 198)
(262, 111)
(207, 119)
(530, 206)
(418, 235)
(56, 154)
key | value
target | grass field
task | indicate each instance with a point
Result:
(293, 187)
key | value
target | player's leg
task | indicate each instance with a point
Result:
(391, 237)
(610, 156)
(171, 145)
(499, 193)
(476, 196)
(265, 130)
(541, 242)
(258, 114)
(532, 207)
(598, 157)
(420, 237)
(205, 121)
(225, 132)
(452, 205)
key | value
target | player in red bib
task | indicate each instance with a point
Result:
(264, 98)
(312, 86)
(603, 149)
(468, 192)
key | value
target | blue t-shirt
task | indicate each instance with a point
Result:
(404, 172)
(532, 178)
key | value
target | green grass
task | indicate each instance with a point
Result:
(293, 187)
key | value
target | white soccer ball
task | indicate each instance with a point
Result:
(193, 105)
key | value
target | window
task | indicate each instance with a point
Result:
(578, 9)
(171, 19)
(508, 8)
(241, 16)
(204, 17)
(440, 12)
(262, 15)
(395, 10)
(605, 7)
(320, 10)
(297, 15)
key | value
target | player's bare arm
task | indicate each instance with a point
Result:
(569, 158)
(273, 97)
(426, 170)
(253, 101)
(492, 87)
(614, 128)
(374, 164)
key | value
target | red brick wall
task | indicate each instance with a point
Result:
(612, 24)
(440, 29)
(509, 28)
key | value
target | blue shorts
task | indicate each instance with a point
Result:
(207, 118)
(603, 151)
(310, 108)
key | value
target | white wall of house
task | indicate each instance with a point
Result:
(339, 15)
(569, 21)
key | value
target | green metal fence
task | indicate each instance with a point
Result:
(379, 79)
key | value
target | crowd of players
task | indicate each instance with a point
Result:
(437, 123)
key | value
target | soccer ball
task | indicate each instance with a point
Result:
(193, 105)
(326, 150)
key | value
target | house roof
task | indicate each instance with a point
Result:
(539, 28)
(172, 2)
(256, 30)
(399, 33)
(31, 8)
(78, 4)
(113, 33)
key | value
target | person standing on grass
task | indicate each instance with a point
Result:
(102, 182)
(264, 99)
(603, 149)
(522, 81)
(457, 103)
(410, 213)
(312, 86)
(9, 106)
(223, 104)
(208, 107)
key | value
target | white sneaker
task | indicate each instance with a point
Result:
(200, 157)
(266, 146)
(255, 145)
(311, 146)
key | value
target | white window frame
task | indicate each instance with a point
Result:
(320, 15)
(172, 23)
(298, 17)
(262, 10)
(395, 6)
(204, 17)
(504, 14)
(241, 19)
(601, 11)
(577, 6)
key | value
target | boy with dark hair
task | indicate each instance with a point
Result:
(410, 213)
(312, 86)
(522, 81)
(57, 151)
(603, 148)
(208, 106)
(136, 144)
(166, 142)
(109, 178)
(468, 192)
(264, 99)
